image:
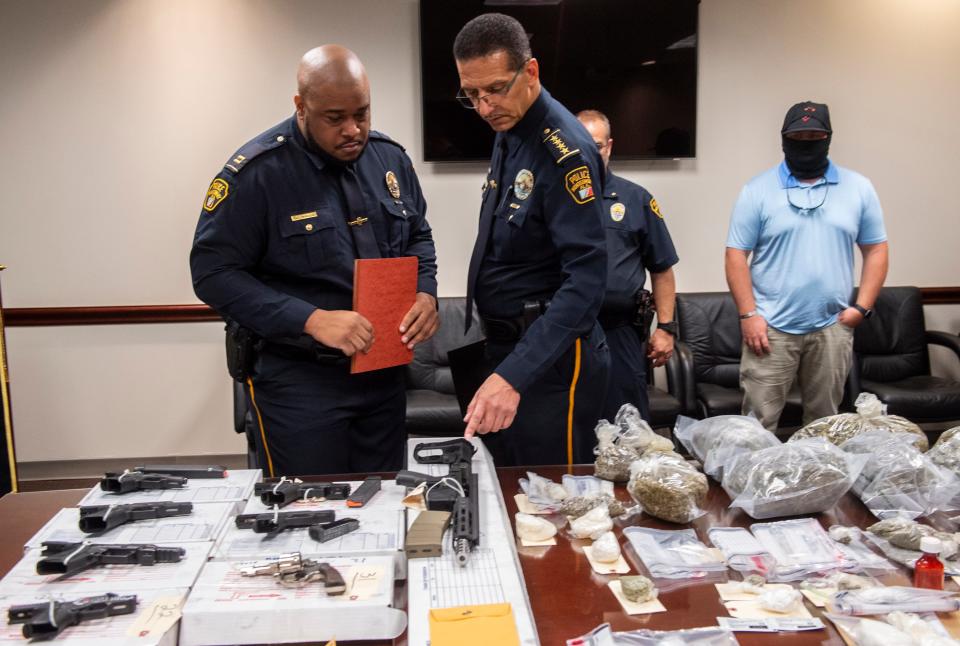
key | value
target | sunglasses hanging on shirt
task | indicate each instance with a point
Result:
(795, 195)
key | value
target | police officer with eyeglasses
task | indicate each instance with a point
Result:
(800, 221)
(538, 269)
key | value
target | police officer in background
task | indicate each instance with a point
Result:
(538, 268)
(274, 251)
(637, 240)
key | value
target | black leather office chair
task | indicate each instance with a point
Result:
(664, 408)
(432, 407)
(892, 361)
(704, 372)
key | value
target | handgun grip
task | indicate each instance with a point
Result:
(413, 478)
(451, 451)
(333, 581)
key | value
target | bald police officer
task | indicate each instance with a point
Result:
(538, 268)
(274, 251)
(637, 241)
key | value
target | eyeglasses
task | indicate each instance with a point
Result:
(470, 99)
(807, 192)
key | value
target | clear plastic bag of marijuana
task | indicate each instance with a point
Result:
(946, 452)
(715, 439)
(899, 480)
(871, 414)
(791, 479)
(668, 487)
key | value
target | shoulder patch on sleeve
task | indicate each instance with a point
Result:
(253, 149)
(655, 208)
(379, 136)
(579, 185)
(218, 191)
(558, 146)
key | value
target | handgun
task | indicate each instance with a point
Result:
(128, 481)
(68, 558)
(97, 519)
(294, 571)
(43, 621)
(273, 522)
(200, 471)
(286, 491)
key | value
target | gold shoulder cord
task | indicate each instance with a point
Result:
(5, 397)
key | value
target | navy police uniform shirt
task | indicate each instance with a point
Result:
(547, 240)
(272, 244)
(637, 239)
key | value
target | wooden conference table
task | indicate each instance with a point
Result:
(568, 599)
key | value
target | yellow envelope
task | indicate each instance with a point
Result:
(474, 626)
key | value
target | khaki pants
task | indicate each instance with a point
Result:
(819, 361)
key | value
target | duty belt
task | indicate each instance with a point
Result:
(305, 349)
(503, 330)
(610, 319)
(510, 330)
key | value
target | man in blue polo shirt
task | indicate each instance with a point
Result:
(800, 220)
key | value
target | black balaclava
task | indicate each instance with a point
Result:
(807, 158)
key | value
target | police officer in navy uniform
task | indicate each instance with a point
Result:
(538, 269)
(274, 251)
(637, 240)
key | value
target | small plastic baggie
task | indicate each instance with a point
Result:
(856, 550)
(895, 629)
(800, 548)
(881, 600)
(674, 554)
(742, 550)
(603, 635)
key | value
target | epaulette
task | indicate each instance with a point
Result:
(253, 149)
(557, 146)
(379, 136)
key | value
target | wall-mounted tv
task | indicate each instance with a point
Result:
(635, 60)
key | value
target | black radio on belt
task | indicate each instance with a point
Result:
(241, 350)
(644, 315)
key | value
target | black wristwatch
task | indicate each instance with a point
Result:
(670, 327)
(863, 310)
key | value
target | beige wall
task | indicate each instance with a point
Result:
(115, 115)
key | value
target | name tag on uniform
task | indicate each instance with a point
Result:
(303, 216)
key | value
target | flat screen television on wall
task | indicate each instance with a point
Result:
(634, 60)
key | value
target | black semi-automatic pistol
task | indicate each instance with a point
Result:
(205, 471)
(97, 519)
(272, 523)
(43, 621)
(287, 491)
(60, 557)
(129, 481)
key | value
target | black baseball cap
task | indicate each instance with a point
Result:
(807, 115)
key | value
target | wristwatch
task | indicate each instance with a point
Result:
(670, 327)
(751, 313)
(863, 310)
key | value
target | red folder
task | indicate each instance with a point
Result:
(384, 290)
